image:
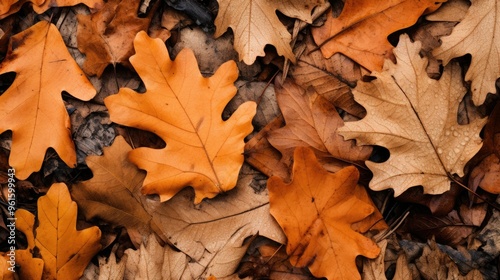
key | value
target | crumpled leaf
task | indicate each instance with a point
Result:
(106, 37)
(184, 109)
(215, 229)
(451, 10)
(64, 250)
(255, 24)
(312, 121)
(361, 30)
(32, 106)
(331, 78)
(429, 145)
(479, 25)
(316, 211)
(113, 193)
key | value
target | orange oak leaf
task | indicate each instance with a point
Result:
(5, 5)
(429, 145)
(184, 109)
(479, 25)
(32, 107)
(106, 37)
(41, 6)
(255, 24)
(65, 251)
(316, 211)
(361, 30)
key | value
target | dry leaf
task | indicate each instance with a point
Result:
(113, 193)
(32, 105)
(429, 145)
(375, 269)
(106, 37)
(403, 270)
(6, 4)
(451, 10)
(361, 30)
(64, 250)
(255, 24)
(312, 121)
(332, 78)
(316, 211)
(184, 109)
(111, 269)
(479, 25)
(262, 155)
(30, 267)
(212, 232)
(152, 261)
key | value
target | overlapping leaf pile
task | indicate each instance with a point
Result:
(365, 147)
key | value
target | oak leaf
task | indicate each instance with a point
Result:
(316, 211)
(106, 37)
(113, 194)
(212, 233)
(255, 24)
(429, 145)
(312, 121)
(479, 25)
(33, 106)
(331, 78)
(361, 30)
(64, 250)
(184, 109)
(41, 6)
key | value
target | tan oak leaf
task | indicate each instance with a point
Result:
(429, 146)
(477, 34)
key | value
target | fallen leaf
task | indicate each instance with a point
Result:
(6, 4)
(110, 269)
(361, 30)
(312, 121)
(318, 225)
(331, 78)
(113, 193)
(375, 269)
(5, 272)
(479, 25)
(452, 10)
(215, 228)
(429, 145)
(184, 109)
(403, 270)
(41, 6)
(152, 261)
(64, 250)
(32, 105)
(30, 267)
(262, 155)
(106, 37)
(434, 264)
(256, 24)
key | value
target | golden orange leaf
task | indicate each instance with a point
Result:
(32, 106)
(65, 252)
(316, 211)
(184, 109)
(41, 6)
(361, 30)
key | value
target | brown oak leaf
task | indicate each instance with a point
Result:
(479, 25)
(184, 109)
(429, 146)
(316, 211)
(106, 37)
